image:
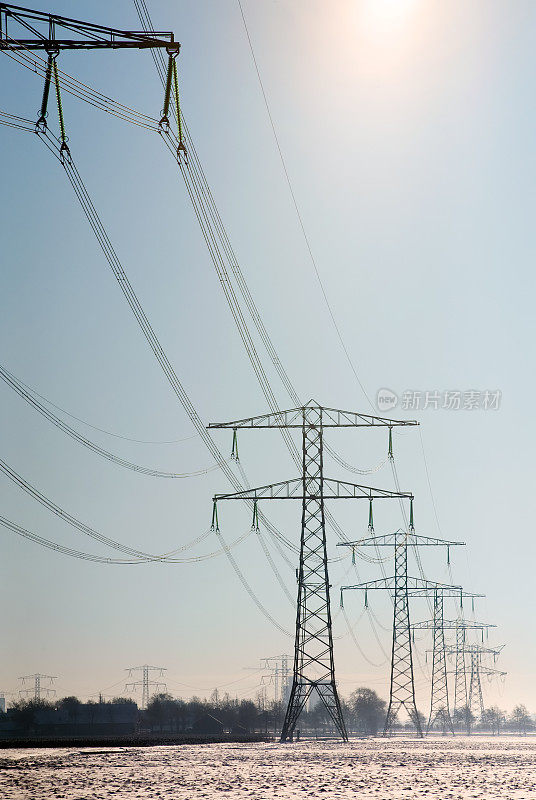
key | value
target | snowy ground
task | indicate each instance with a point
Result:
(392, 769)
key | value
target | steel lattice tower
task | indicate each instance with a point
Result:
(314, 670)
(475, 700)
(145, 683)
(439, 703)
(38, 689)
(402, 685)
(439, 673)
(460, 678)
(402, 691)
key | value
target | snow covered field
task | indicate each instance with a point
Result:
(436, 768)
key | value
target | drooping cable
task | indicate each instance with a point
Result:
(27, 487)
(115, 435)
(16, 385)
(248, 588)
(69, 551)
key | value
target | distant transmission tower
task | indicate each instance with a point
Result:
(475, 699)
(278, 666)
(314, 670)
(439, 702)
(402, 688)
(145, 683)
(460, 685)
(38, 690)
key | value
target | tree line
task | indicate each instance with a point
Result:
(364, 712)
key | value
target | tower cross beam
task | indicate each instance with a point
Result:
(331, 489)
(331, 418)
(88, 35)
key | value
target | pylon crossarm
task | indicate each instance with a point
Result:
(16, 20)
(482, 669)
(413, 585)
(475, 648)
(452, 624)
(447, 591)
(332, 489)
(399, 538)
(331, 418)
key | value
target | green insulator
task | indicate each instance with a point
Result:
(370, 516)
(353, 555)
(46, 90)
(58, 98)
(411, 523)
(448, 556)
(167, 94)
(255, 523)
(234, 451)
(178, 107)
(366, 599)
(215, 525)
(342, 601)
(390, 451)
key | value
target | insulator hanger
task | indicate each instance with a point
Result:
(41, 124)
(172, 79)
(255, 521)
(234, 450)
(214, 526)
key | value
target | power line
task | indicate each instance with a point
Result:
(18, 387)
(299, 215)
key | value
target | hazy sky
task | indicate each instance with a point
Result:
(408, 129)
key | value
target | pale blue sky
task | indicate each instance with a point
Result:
(409, 132)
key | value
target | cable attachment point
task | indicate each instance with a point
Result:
(65, 153)
(163, 125)
(214, 526)
(41, 123)
(180, 147)
(234, 450)
(255, 521)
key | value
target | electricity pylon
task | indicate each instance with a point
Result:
(25, 29)
(314, 670)
(38, 690)
(145, 683)
(439, 697)
(402, 686)
(280, 672)
(475, 699)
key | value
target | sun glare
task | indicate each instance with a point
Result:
(384, 14)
